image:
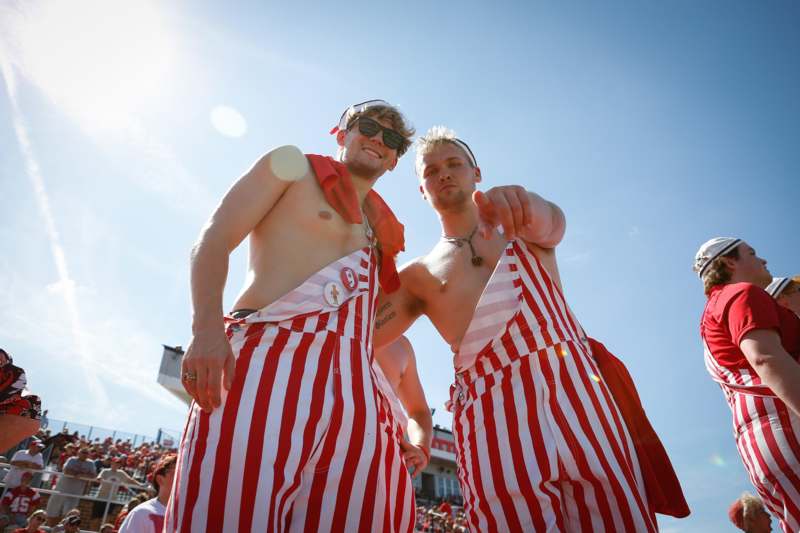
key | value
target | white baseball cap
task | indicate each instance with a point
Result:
(712, 249)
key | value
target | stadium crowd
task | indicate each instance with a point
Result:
(441, 518)
(89, 484)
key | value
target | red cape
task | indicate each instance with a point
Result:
(664, 493)
(337, 186)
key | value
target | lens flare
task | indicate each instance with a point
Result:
(717, 460)
(288, 163)
(228, 121)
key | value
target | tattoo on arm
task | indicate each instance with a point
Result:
(379, 323)
(382, 317)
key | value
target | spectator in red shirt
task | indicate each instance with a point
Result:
(445, 507)
(18, 502)
(752, 346)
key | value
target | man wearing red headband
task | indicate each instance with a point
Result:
(288, 431)
(541, 445)
(752, 346)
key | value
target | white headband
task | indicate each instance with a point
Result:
(357, 108)
(712, 249)
(461, 144)
(777, 285)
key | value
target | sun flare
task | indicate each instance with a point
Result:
(101, 61)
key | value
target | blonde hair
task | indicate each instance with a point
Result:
(751, 505)
(792, 286)
(717, 272)
(434, 138)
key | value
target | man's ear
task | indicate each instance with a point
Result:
(422, 192)
(477, 174)
(340, 135)
(730, 263)
(394, 163)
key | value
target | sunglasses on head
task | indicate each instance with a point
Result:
(368, 127)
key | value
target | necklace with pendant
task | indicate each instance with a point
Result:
(476, 260)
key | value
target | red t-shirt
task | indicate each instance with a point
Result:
(736, 309)
(21, 499)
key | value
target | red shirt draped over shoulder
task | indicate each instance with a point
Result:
(337, 186)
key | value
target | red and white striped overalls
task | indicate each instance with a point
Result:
(767, 436)
(541, 445)
(304, 440)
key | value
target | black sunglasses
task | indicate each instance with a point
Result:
(369, 127)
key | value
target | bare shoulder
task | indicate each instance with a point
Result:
(286, 163)
(415, 276)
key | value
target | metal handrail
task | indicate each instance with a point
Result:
(92, 480)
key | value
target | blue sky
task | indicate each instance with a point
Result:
(653, 125)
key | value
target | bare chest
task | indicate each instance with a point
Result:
(456, 285)
(304, 223)
(301, 235)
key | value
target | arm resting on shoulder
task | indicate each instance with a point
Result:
(776, 368)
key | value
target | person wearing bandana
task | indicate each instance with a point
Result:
(752, 346)
(288, 430)
(540, 442)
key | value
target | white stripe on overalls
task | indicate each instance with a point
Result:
(541, 444)
(303, 441)
(767, 436)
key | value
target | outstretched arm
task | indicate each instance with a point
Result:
(522, 214)
(249, 200)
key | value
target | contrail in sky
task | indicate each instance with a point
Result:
(96, 388)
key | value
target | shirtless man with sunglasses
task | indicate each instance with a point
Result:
(288, 430)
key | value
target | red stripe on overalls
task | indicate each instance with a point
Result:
(329, 445)
(571, 389)
(469, 490)
(356, 439)
(315, 409)
(530, 412)
(219, 479)
(185, 448)
(493, 450)
(285, 444)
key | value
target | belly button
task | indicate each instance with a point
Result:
(325, 215)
